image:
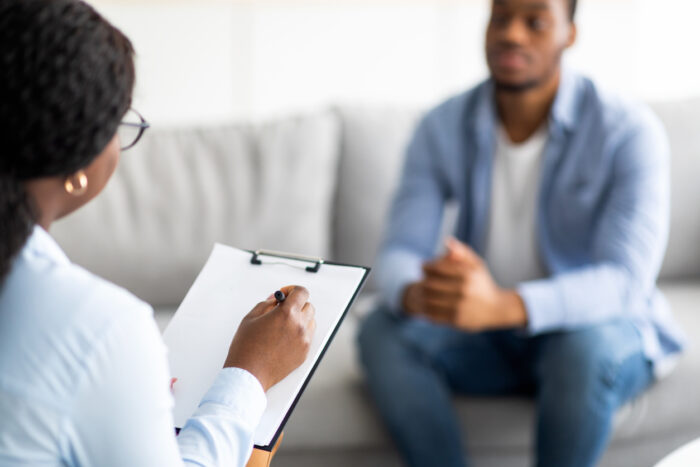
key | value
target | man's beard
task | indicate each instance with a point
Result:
(516, 88)
(533, 83)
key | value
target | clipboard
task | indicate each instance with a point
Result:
(231, 283)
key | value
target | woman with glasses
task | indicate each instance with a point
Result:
(83, 370)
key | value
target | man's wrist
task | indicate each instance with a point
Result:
(408, 298)
(514, 310)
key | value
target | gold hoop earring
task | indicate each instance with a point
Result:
(82, 180)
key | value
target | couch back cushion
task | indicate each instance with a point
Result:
(373, 145)
(682, 122)
(178, 191)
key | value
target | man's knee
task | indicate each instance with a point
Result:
(586, 363)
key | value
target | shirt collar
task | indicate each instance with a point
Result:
(485, 116)
(563, 113)
(43, 244)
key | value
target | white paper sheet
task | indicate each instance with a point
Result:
(227, 288)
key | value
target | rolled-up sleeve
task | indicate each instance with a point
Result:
(628, 243)
(415, 219)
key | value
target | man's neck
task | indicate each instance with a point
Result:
(523, 113)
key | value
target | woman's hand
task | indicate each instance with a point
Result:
(274, 339)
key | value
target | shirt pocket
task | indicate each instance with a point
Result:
(577, 207)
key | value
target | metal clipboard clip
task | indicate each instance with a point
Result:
(276, 254)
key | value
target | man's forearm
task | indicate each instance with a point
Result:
(582, 297)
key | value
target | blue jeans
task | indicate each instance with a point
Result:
(578, 379)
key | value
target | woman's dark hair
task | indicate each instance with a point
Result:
(66, 79)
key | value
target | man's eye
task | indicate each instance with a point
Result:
(536, 24)
(499, 20)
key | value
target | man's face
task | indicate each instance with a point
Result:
(525, 40)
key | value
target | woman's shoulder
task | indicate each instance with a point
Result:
(89, 306)
(54, 317)
(47, 284)
(63, 334)
(60, 287)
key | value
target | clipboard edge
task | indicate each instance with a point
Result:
(358, 290)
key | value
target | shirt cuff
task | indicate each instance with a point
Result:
(240, 391)
(543, 304)
(397, 270)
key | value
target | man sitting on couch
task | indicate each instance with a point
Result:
(548, 288)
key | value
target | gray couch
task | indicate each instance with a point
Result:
(320, 184)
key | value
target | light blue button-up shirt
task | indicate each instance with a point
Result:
(84, 378)
(603, 209)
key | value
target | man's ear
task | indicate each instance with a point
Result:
(573, 33)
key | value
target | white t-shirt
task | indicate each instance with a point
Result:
(512, 251)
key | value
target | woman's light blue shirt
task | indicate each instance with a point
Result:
(84, 378)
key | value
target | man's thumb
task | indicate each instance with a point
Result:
(458, 251)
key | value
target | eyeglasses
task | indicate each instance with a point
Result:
(131, 129)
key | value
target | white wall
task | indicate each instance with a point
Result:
(214, 60)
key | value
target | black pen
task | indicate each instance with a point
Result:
(279, 296)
